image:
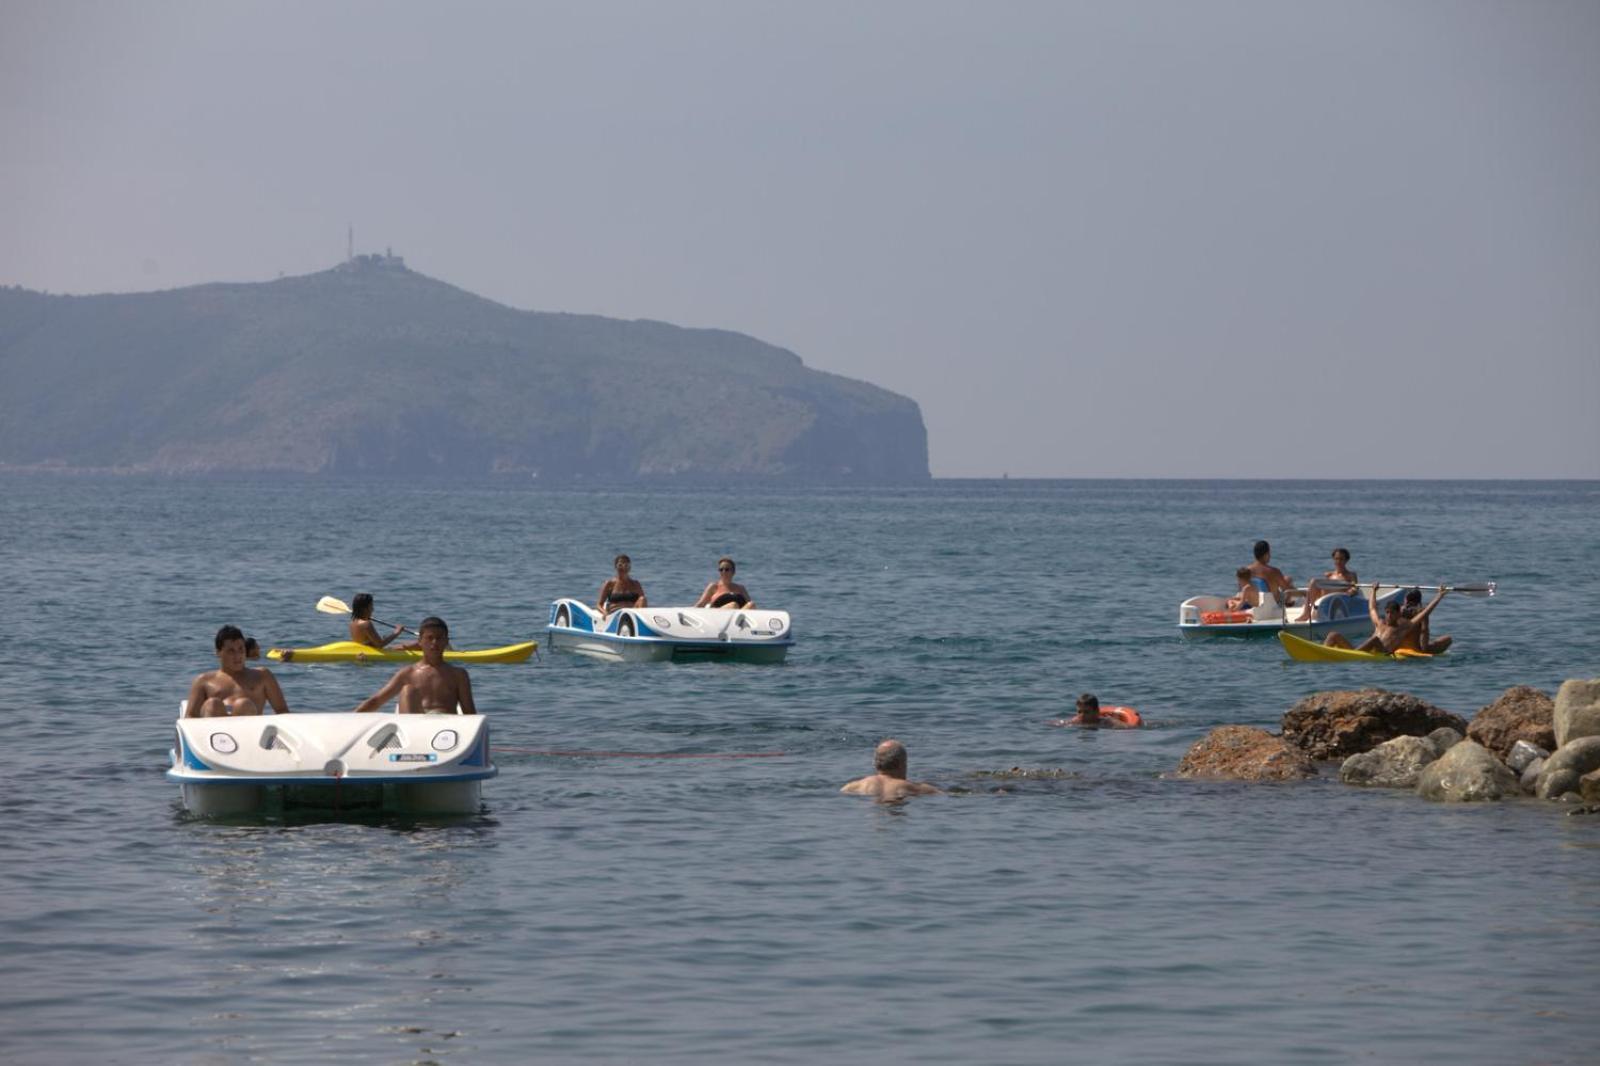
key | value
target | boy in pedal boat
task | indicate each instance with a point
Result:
(431, 686)
(233, 689)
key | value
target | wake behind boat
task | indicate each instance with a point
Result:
(657, 634)
(417, 763)
(1335, 612)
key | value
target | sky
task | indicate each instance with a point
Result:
(1128, 238)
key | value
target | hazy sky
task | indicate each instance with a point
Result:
(1209, 239)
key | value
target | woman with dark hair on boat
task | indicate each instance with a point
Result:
(621, 590)
(725, 592)
(362, 629)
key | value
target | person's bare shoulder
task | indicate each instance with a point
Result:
(862, 786)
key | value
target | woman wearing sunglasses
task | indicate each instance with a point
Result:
(725, 592)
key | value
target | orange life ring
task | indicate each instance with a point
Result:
(1222, 618)
(1122, 717)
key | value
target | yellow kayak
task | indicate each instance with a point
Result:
(348, 651)
(1309, 651)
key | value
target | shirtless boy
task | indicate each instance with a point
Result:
(1391, 630)
(1421, 640)
(431, 686)
(233, 688)
(889, 784)
(1248, 595)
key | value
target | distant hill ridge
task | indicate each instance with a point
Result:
(371, 368)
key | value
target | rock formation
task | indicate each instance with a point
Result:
(1336, 725)
(1521, 713)
(1245, 753)
(1560, 772)
(1466, 773)
(1577, 710)
(1397, 763)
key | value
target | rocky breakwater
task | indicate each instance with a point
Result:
(1522, 743)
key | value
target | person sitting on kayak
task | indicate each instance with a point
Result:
(362, 631)
(1423, 641)
(888, 784)
(1248, 596)
(234, 688)
(1089, 716)
(1391, 630)
(431, 686)
(725, 592)
(1268, 578)
(1341, 578)
(622, 590)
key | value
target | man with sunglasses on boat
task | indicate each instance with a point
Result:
(431, 686)
(233, 689)
(888, 784)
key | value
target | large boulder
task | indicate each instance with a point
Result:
(1336, 725)
(1245, 753)
(1524, 755)
(1577, 710)
(1521, 713)
(1395, 763)
(1589, 787)
(1466, 773)
(1561, 771)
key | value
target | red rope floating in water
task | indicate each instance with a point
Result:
(641, 754)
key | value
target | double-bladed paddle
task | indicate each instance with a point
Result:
(334, 605)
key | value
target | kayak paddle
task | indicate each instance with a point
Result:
(332, 605)
(1481, 590)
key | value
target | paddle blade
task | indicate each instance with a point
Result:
(331, 605)
(1483, 590)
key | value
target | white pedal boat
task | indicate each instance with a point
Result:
(656, 634)
(1335, 612)
(415, 763)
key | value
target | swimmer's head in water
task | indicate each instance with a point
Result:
(1262, 550)
(890, 758)
(227, 633)
(252, 648)
(361, 606)
(1088, 706)
(433, 621)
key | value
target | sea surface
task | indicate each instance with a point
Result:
(623, 906)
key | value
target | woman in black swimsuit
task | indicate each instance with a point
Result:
(725, 592)
(622, 590)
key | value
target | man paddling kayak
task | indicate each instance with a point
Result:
(234, 688)
(431, 686)
(1391, 630)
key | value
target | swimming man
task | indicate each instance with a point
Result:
(431, 686)
(889, 784)
(233, 688)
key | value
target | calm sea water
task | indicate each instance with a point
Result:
(615, 908)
